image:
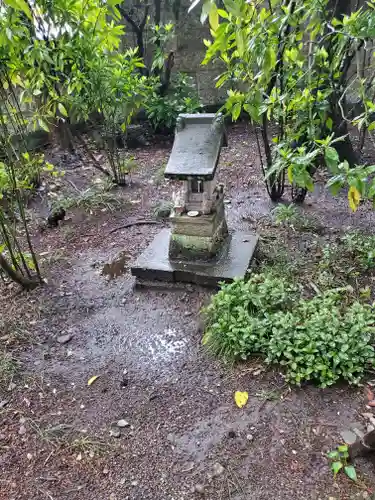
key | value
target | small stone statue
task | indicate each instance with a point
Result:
(206, 204)
(219, 191)
(178, 202)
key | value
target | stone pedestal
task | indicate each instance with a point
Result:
(198, 237)
(233, 261)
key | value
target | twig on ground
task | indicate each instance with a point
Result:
(134, 223)
(74, 186)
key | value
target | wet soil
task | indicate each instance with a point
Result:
(186, 438)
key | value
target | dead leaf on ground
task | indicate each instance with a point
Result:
(241, 398)
(369, 394)
(92, 379)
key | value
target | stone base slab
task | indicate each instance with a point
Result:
(233, 262)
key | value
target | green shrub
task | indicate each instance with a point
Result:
(238, 317)
(361, 247)
(162, 110)
(322, 339)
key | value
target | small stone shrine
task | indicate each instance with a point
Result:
(198, 248)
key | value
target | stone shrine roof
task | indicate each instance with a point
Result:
(196, 148)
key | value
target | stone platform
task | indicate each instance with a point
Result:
(233, 262)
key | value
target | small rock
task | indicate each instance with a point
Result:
(115, 432)
(123, 423)
(29, 456)
(199, 488)
(348, 437)
(112, 496)
(188, 313)
(358, 432)
(11, 386)
(249, 437)
(22, 430)
(218, 469)
(105, 470)
(134, 483)
(64, 339)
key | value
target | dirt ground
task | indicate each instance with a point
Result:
(183, 438)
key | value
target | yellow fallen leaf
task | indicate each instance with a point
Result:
(354, 197)
(241, 398)
(92, 379)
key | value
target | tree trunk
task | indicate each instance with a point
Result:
(157, 14)
(26, 283)
(339, 8)
(344, 148)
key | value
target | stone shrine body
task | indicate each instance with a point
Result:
(198, 248)
(198, 220)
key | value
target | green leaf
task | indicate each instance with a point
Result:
(336, 467)
(236, 111)
(19, 5)
(240, 42)
(333, 454)
(62, 109)
(213, 17)
(232, 7)
(350, 472)
(343, 448)
(331, 157)
(43, 125)
(371, 126)
(329, 123)
(223, 14)
(206, 9)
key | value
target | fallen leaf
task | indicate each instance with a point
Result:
(92, 379)
(241, 398)
(371, 403)
(369, 394)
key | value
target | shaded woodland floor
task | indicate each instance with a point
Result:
(183, 438)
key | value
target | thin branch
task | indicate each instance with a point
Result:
(96, 164)
(134, 223)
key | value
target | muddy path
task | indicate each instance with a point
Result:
(183, 436)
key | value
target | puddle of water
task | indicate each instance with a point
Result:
(167, 345)
(145, 342)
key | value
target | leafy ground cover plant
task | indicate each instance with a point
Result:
(322, 339)
(339, 461)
